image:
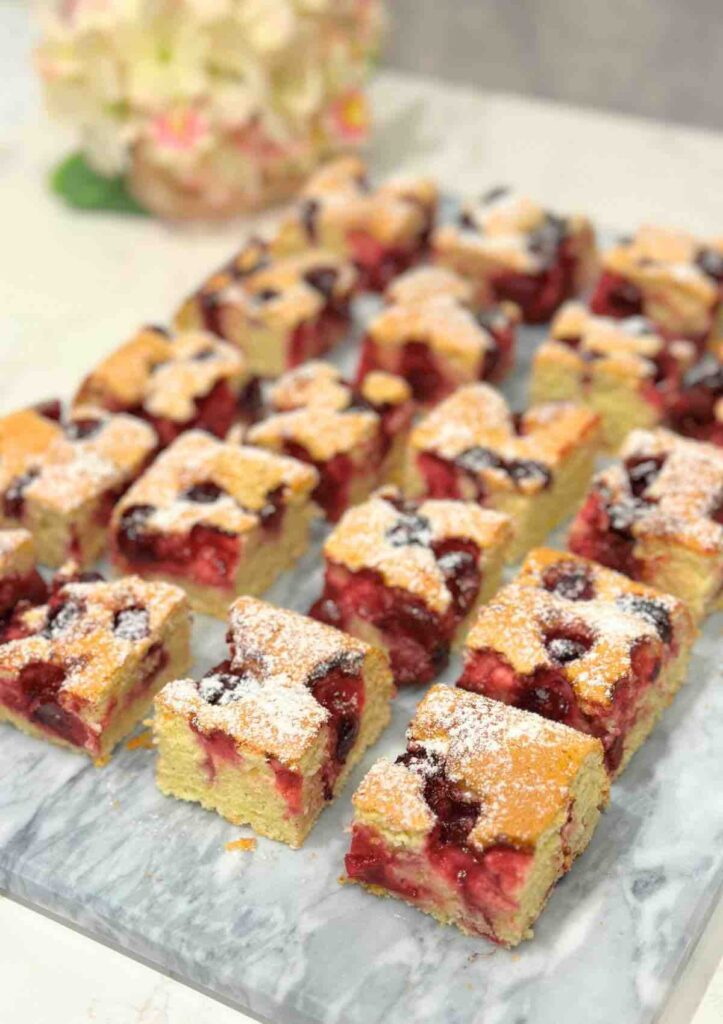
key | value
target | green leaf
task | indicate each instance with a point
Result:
(83, 188)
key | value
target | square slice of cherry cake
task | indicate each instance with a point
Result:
(483, 813)
(217, 518)
(61, 480)
(269, 736)
(623, 369)
(582, 645)
(383, 229)
(534, 466)
(82, 669)
(19, 577)
(280, 311)
(408, 576)
(656, 514)
(668, 276)
(355, 437)
(513, 249)
(437, 344)
(175, 382)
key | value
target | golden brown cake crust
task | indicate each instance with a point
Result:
(315, 407)
(627, 347)
(520, 767)
(498, 230)
(522, 616)
(477, 416)
(655, 256)
(396, 213)
(245, 475)
(420, 284)
(361, 541)
(69, 473)
(164, 374)
(441, 323)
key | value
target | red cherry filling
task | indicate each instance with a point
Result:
(416, 638)
(539, 295)
(616, 297)
(692, 411)
(206, 555)
(14, 496)
(602, 532)
(34, 695)
(13, 589)
(569, 580)
(332, 491)
(342, 694)
(461, 478)
(378, 264)
(313, 338)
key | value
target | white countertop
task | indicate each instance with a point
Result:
(74, 286)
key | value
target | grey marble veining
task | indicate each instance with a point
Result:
(275, 934)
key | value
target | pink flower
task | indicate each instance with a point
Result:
(180, 130)
(348, 117)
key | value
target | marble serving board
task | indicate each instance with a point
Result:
(273, 933)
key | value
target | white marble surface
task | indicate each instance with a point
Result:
(72, 286)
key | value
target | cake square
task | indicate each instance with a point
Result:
(623, 369)
(19, 577)
(513, 249)
(581, 645)
(483, 813)
(408, 576)
(81, 670)
(437, 344)
(175, 382)
(656, 515)
(280, 311)
(217, 518)
(60, 481)
(384, 230)
(355, 437)
(670, 277)
(270, 736)
(534, 466)
(696, 410)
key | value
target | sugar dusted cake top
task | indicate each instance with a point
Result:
(420, 284)
(200, 479)
(476, 421)
(265, 701)
(632, 343)
(164, 373)
(675, 491)
(509, 228)
(317, 408)
(659, 254)
(517, 767)
(442, 323)
(92, 631)
(394, 539)
(340, 197)
(585, 622)
(93, 452)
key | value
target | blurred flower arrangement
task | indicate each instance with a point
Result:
(205, 107)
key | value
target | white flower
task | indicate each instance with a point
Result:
(165, 59)
(269, 25)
